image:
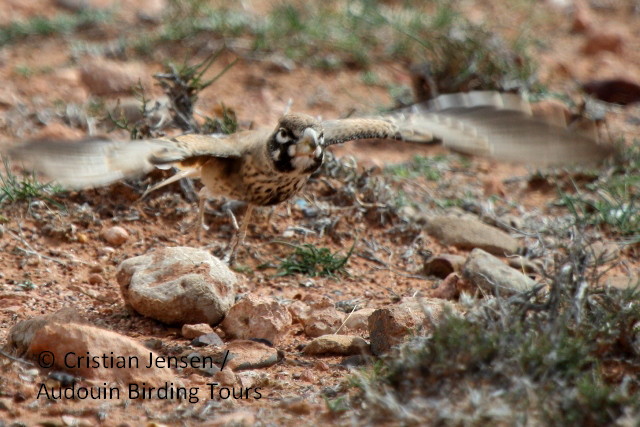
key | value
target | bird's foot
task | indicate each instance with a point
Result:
(200, 227)
(230, 256)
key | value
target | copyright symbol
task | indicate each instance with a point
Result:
(46, 359)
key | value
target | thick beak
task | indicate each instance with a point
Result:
(308, 143)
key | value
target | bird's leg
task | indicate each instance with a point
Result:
(272, 211)
(240, 235)
(229, 211)
(200, 225)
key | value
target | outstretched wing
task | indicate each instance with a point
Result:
(497, 125)
(339, 131)
(95, 162)
(190, 147)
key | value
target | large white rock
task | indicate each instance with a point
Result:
(178, 285)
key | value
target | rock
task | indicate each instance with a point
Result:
(178, 285)
(207, 339)
(582, 17)
(524, 265)
(107, 77)
(225, 377)
(493, 186)
(467, 232)
(150, 10)
(447, 289)
(494, 276)
(616, 91)
(202, 364)
(153, 344)
(106, 348)
(21, 335)
(343, 345)
(308, 376)
(115, 236)
(194, 331)
(240, 418)
(251, 378)
(245, 354)
(255, 317)
(95, 279)
(443, 265)
(298, 406)
(357, 361)
(358, 321)
(323, 319)
(391, 325)
(299, 311)
(603, 41)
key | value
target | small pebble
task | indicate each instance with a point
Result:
(207, 339)
(225, 377)
(196, 330)
(96, 279)
(115, 235)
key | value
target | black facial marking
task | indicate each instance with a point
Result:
(288, 133)
(283, 162)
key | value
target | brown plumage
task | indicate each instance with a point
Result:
(268, 166)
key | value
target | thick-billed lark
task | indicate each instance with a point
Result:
(266, 167)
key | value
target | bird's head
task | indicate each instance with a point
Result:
(297, 144)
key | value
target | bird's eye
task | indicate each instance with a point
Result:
(282, 137)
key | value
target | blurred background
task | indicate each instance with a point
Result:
(66, 62)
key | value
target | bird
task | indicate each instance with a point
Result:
(265, 167)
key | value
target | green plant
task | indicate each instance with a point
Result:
(312, 261)
(14, 188)
(421, 166)
(58, 24)
(183, 84)
(568, 356)
(611, 201)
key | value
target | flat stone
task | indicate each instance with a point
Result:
(494, 276)
(59, 340)
(343, 345)
(358, 321)
(468, 232)
(22, 334)
(246, 354)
